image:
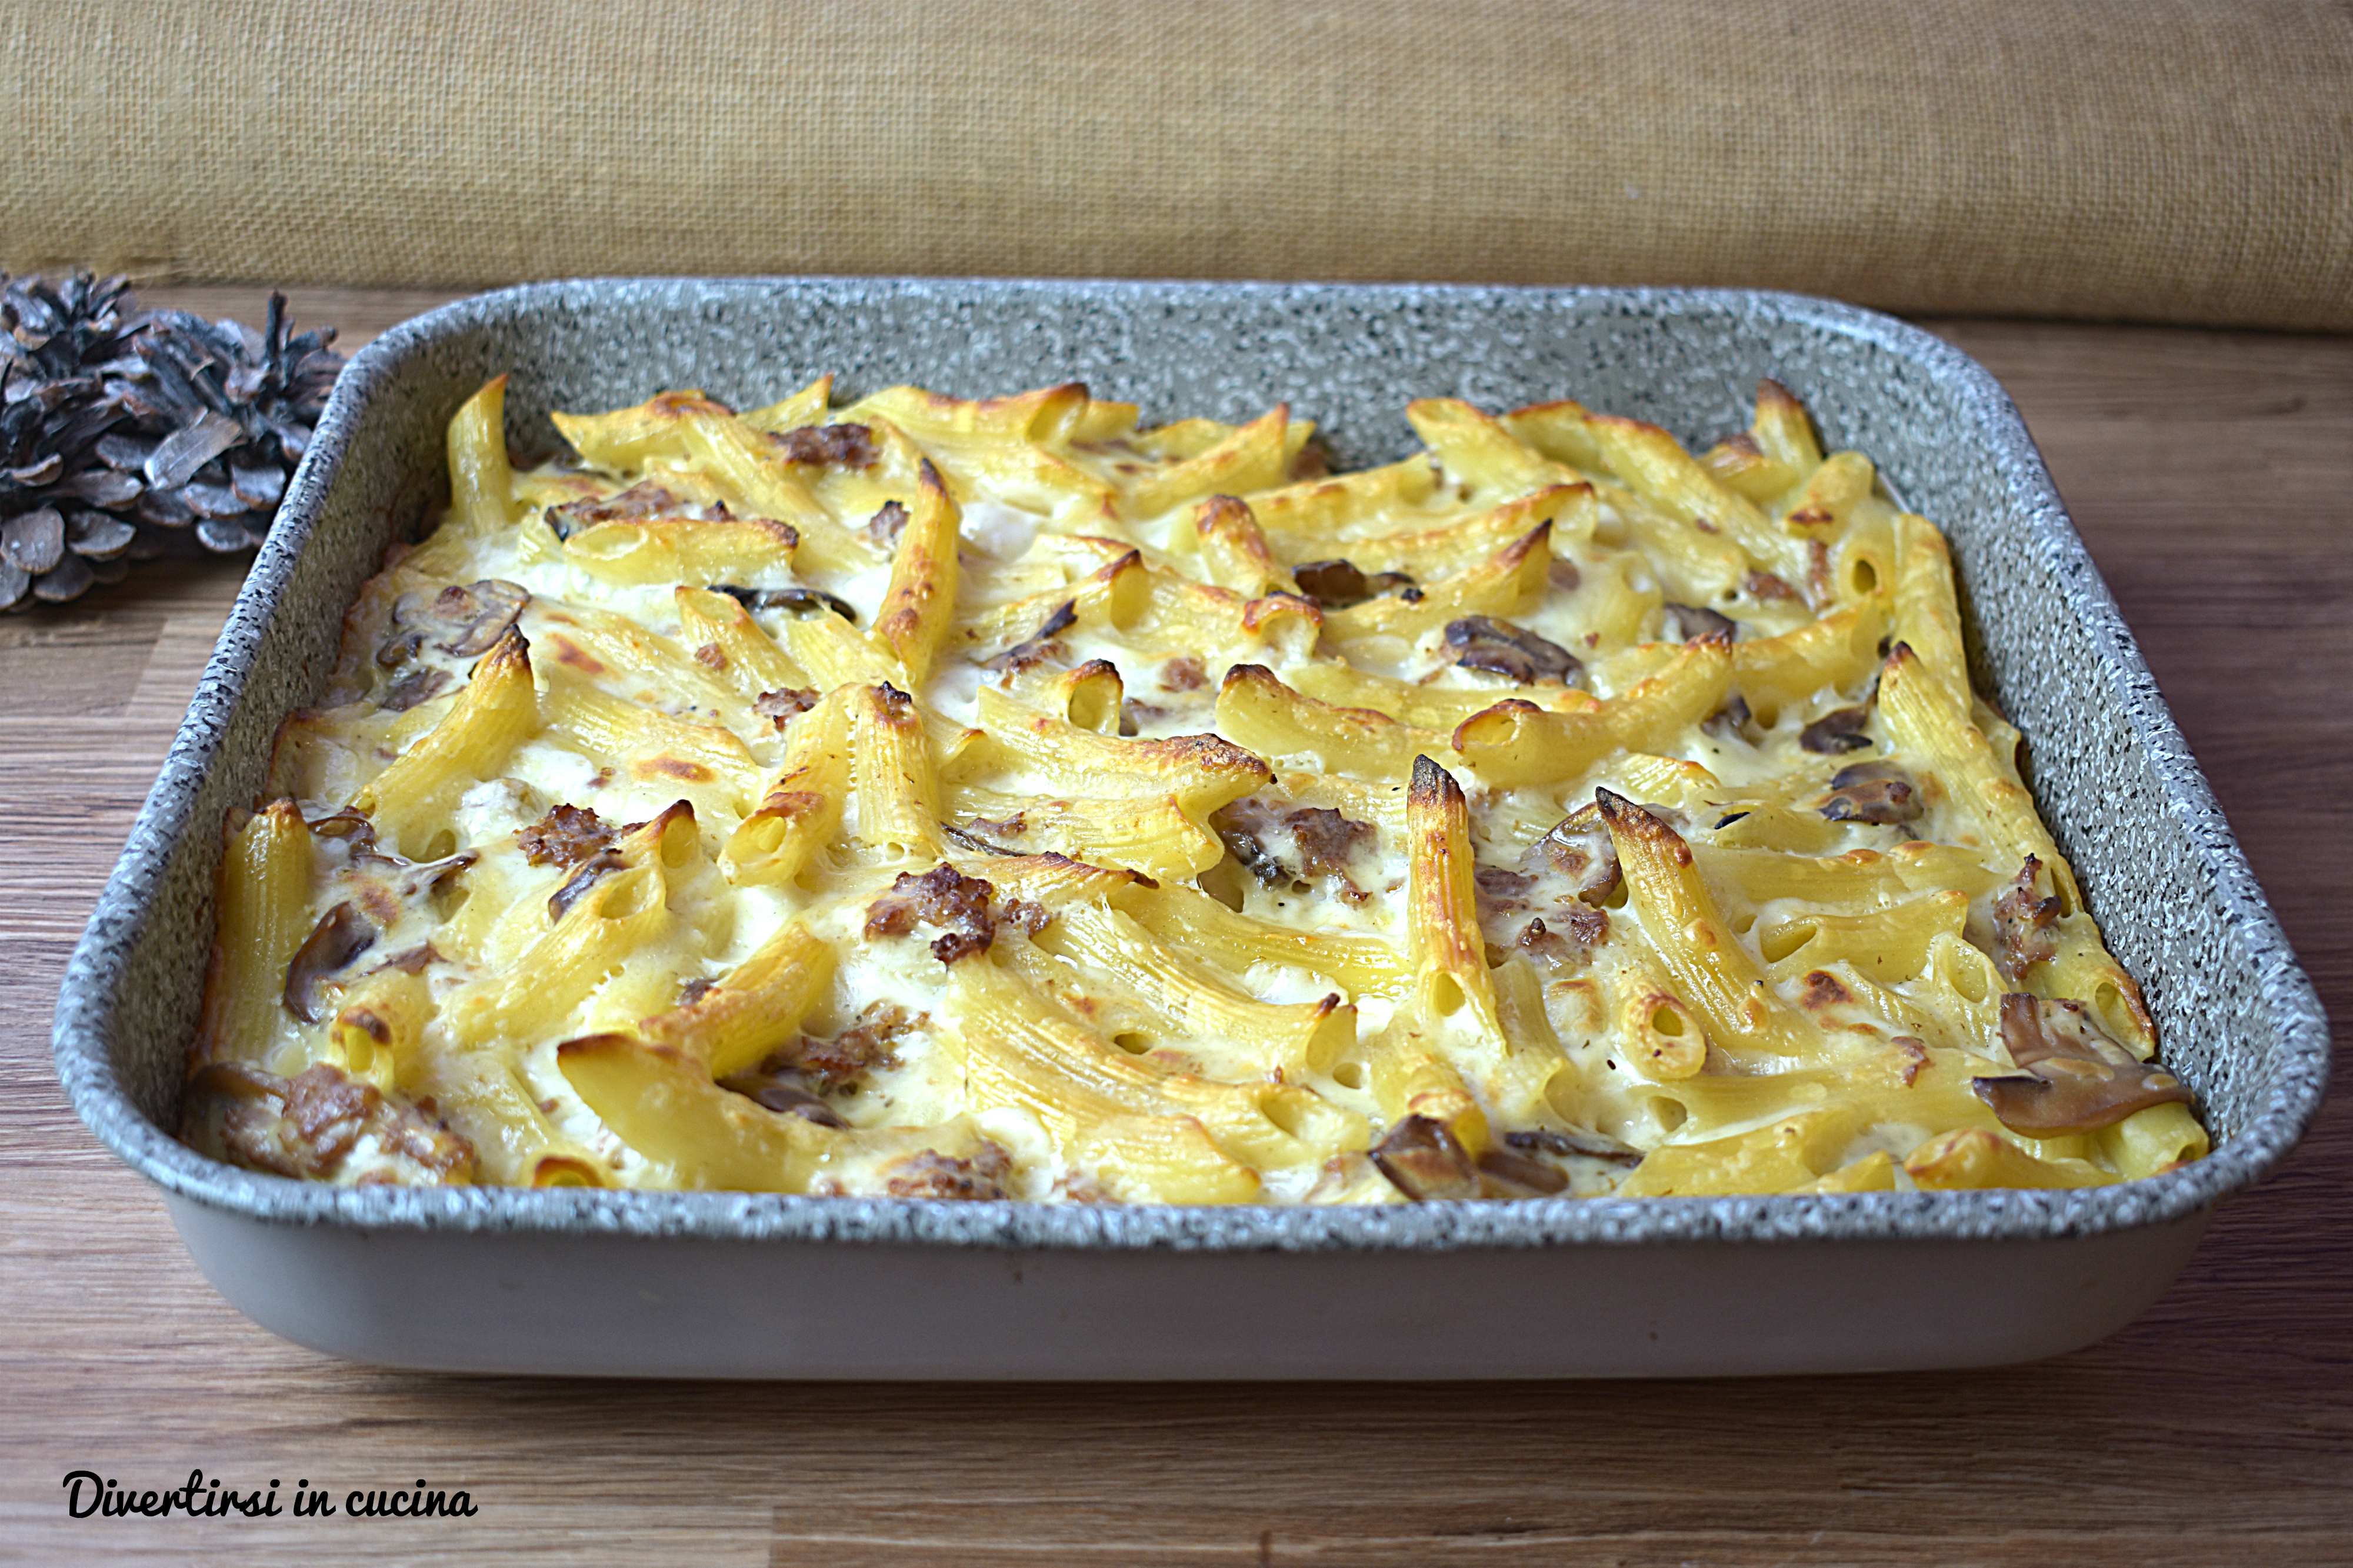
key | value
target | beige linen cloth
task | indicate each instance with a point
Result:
(2159, 160)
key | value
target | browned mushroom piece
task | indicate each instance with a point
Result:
(418, 686)
(1579, 848)
(348, 827)
(932, 1174)
(1685, 622)
(342, 935)
(2074, 1078)
(1499, 648)
(567, 835)
(1505, 1174)
(799, 601)
(2024, 922)
(943, 898)
(1872, 792)
(1839, 729)
(835, 446)
(467, 620)
(1039, 645)
(1336, 585)
(1423, 1160)
(635, 504)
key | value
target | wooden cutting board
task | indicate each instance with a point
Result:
(2212, 474)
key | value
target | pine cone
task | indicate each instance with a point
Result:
(142, 435)
(63, 347)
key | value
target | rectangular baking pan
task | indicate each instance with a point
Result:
(761, 1286)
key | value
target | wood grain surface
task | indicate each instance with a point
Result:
(2211, 473)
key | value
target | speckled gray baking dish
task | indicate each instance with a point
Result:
(737, 1285)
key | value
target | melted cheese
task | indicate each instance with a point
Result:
(1604, 1058)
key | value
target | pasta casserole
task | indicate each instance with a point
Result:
(937, 798)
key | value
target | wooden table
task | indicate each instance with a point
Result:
(2212, 474)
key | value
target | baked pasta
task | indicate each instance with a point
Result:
(949, 799)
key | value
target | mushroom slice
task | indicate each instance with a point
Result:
(2075, 1079)
(463, 620)
(1503, 1174)
(1872, 792)
(1499, 648)
(1422, 1160)
(775, 1089)
(1839, 729)
(1587, 1145)
(1336, 585)
(342, 935)
(1685, 622)
(586, 874)
(799, 601)
(1039, 645)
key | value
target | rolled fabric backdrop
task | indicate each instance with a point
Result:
(2159, 160)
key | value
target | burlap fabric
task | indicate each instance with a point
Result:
(2160, 160)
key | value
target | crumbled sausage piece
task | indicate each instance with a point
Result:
(2023, 923)
(1685, 622)
(342, 935)
(567, 835)
(780, 707)
(864, 1046)
(1582, 929)
(1839, 729)
(1311, 461)
(1423, 1160)
(635, 504)
(793, 1081)
(942, 896)
(1183, 673)
(932, 1174)
(839, 446)
(1499, 648)
(1039, 645)
(2073, 1077)
(1336, 585)
(1872, 792)
(307, 1127)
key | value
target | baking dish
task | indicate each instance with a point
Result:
(726, 1284)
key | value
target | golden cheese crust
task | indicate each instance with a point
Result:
(974, 800)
